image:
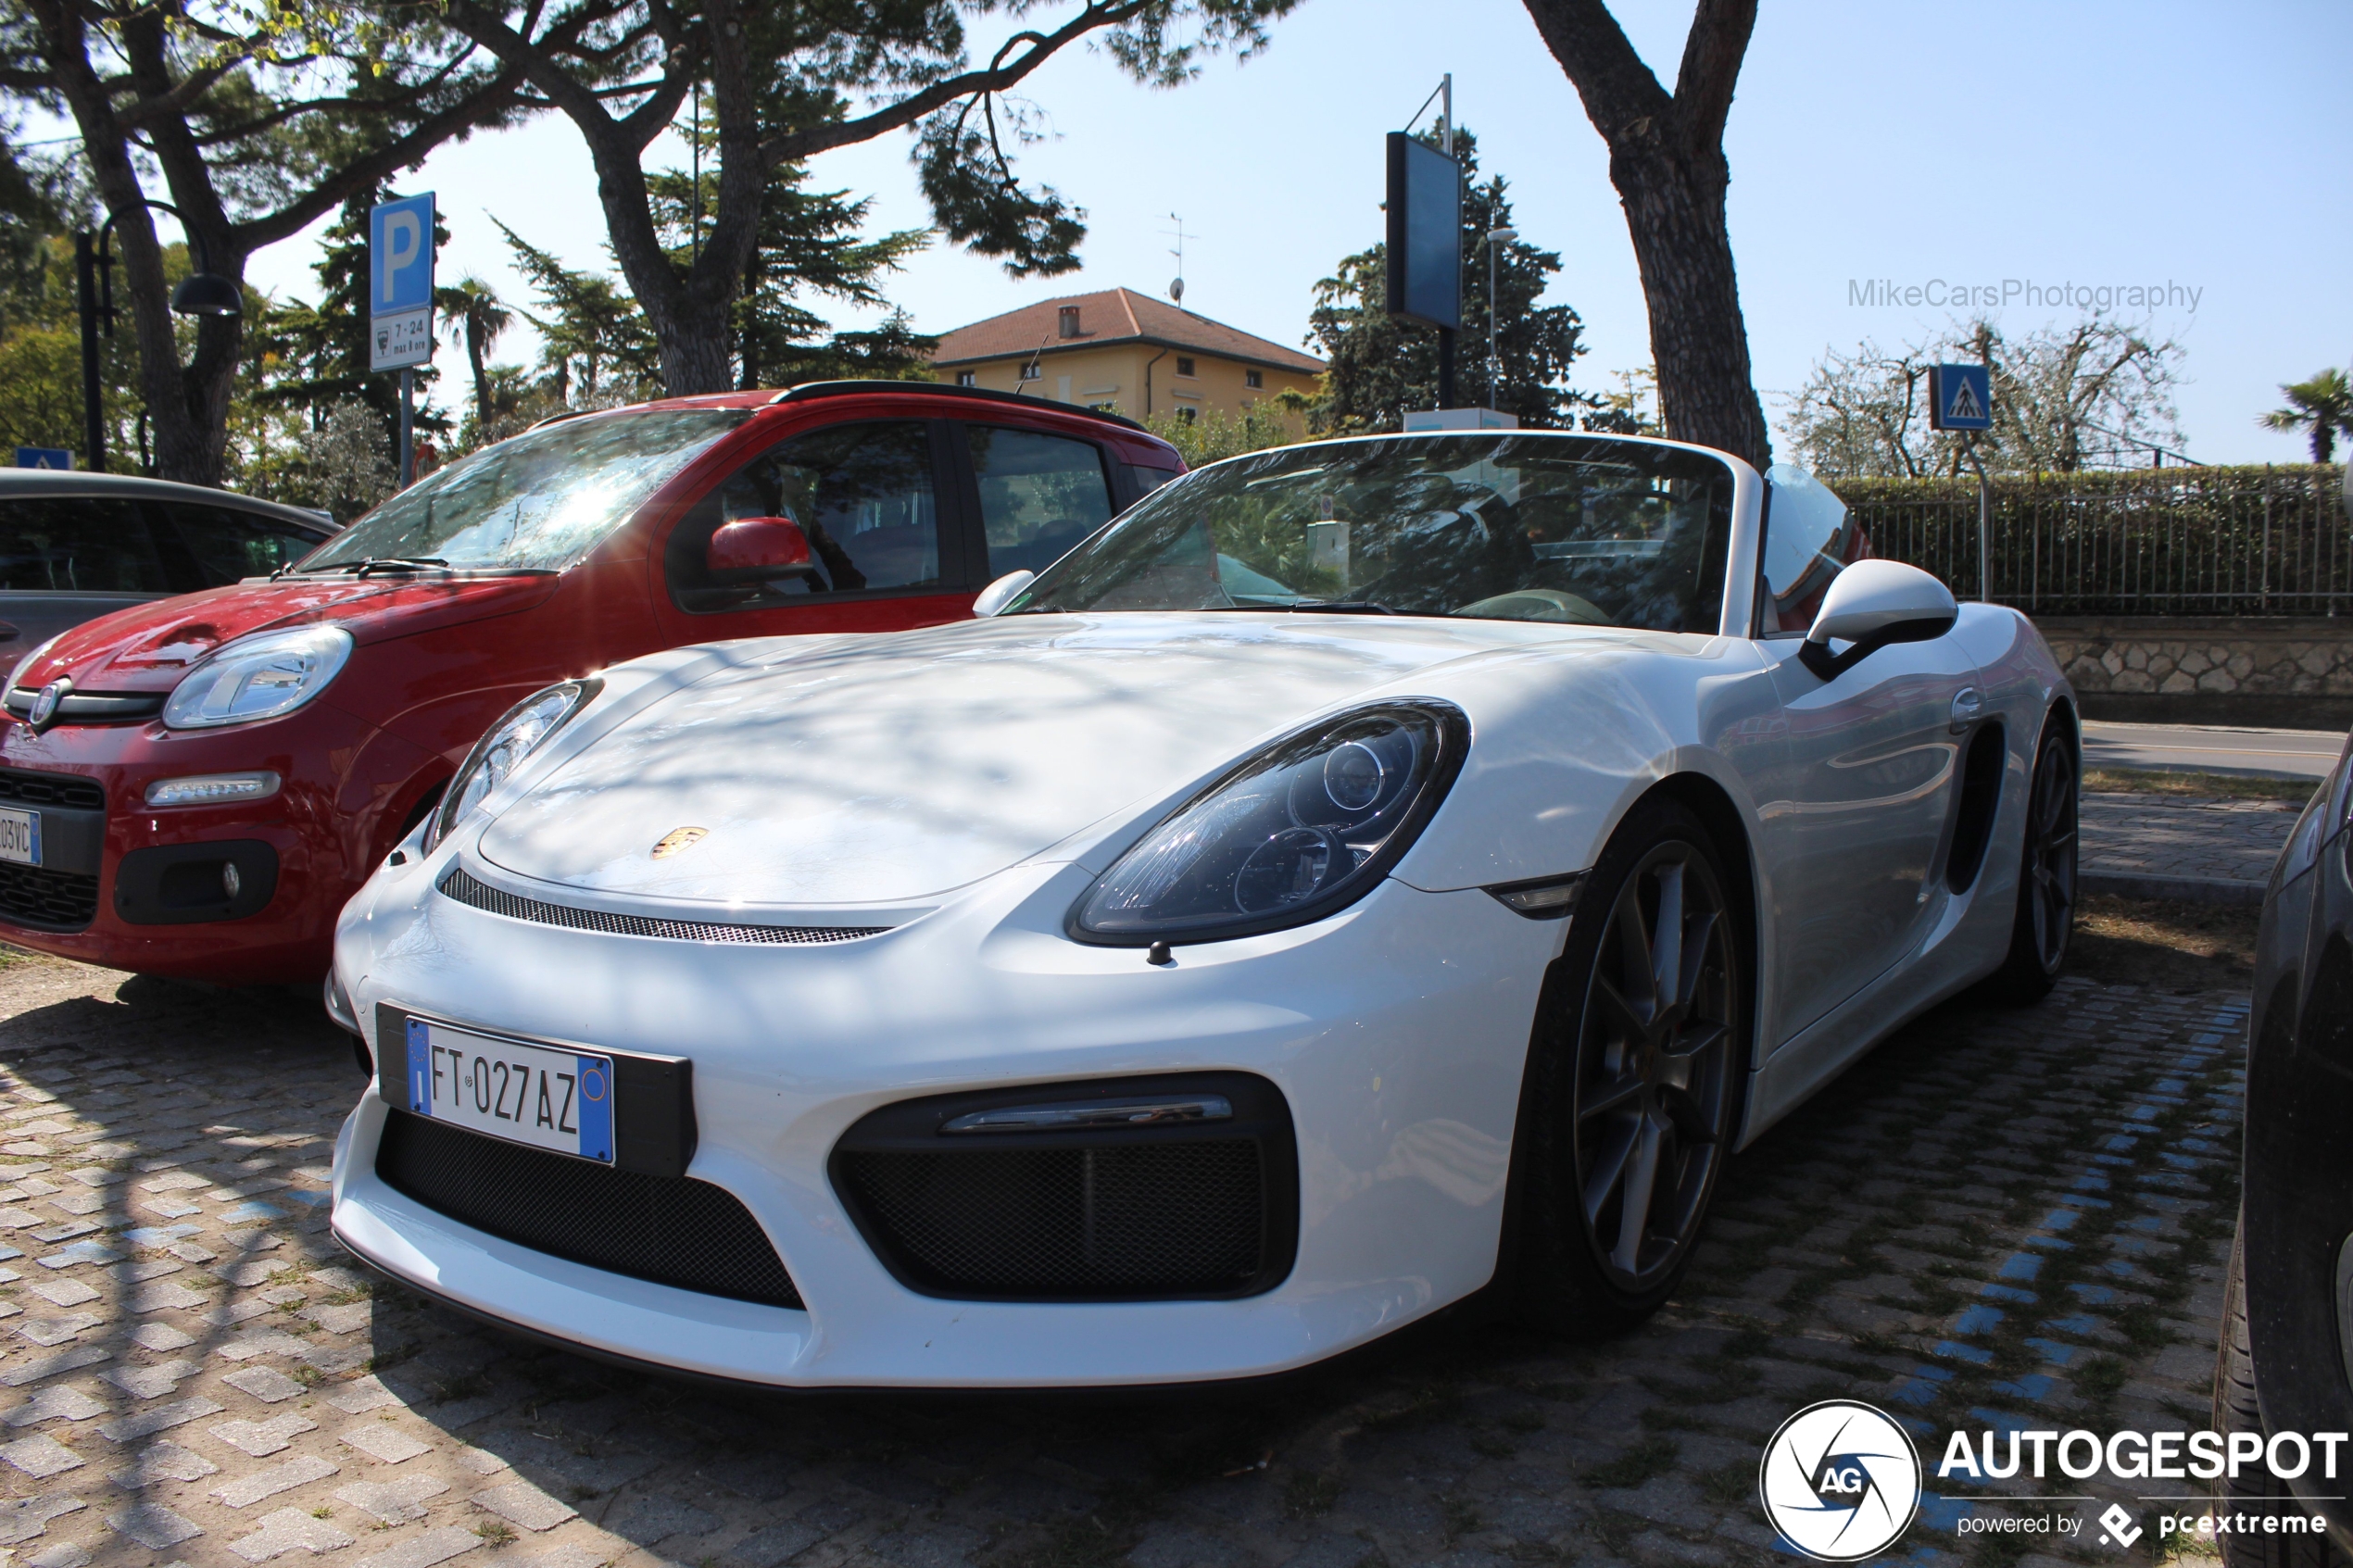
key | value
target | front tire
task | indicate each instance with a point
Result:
(1635, 1071)
(2236, 1410)
(2046, 883)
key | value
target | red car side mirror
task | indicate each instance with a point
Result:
(757, 547)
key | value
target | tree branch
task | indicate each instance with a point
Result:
(1618, 91)
(1712, 55)
(792, 146)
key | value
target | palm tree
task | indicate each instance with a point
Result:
(2323, 405)
(472, 313)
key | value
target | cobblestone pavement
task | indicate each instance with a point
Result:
(1999, 1217)
(2157, 835)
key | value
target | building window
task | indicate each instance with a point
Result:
(1253, 378)
(1070, 320)
(1184, 366)
(968, 378)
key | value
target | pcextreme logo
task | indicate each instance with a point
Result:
(1840, 1480)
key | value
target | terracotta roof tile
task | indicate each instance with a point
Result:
(1113, 316)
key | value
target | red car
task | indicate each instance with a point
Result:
(194, 787)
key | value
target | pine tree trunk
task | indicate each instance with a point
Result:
(1699, 339)
(1666, 159)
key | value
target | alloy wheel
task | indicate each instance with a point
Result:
(1654, 1066)
(2050, 855)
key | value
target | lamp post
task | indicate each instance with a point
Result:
(1497, 238)
(201, 292)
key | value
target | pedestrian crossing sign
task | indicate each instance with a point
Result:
(1959, 397)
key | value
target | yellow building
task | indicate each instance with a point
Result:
(1126, 353)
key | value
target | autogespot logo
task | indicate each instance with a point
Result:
(1841, 1481)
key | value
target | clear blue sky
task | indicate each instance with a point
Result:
(2196, 145)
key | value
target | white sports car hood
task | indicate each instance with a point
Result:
(892, 769)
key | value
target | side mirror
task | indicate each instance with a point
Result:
(754, 547)
(1000, 593)
(1870, 605)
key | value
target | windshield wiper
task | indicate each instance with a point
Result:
(394, 563)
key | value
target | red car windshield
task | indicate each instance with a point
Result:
(537, 502)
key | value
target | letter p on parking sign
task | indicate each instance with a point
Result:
(400, 283)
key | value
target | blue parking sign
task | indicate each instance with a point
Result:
(44, 457)
(400, 255)
(1960, 397)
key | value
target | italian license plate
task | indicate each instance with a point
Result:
(20, 836)
(534, 1095)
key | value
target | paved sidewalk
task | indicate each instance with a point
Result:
(1997, 1216)
(2174, 847)
(2212, 748)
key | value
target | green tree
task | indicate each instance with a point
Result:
(786, 82)
(2096, 394)
(595, 350)
(812, 246)
(475, 317)
(2321, 406)
(256, 122)
(1380, 366)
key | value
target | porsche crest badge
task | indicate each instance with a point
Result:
(678, 840)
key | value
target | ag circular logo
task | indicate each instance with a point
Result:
(1841, 1481)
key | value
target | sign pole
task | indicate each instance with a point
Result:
(400, 266)
(1984, 519)
(408, 427)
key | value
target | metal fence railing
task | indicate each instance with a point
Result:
(2175, 541)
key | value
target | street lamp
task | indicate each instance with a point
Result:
(201, 292)
(1497, 238)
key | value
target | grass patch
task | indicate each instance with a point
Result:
(2207, 786)
(2164, 946)
(1729, 1487)
(1645, 1461)
(495, 1532)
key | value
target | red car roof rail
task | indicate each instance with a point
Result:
(810, 390)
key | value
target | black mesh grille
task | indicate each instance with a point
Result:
(49, 900)
(51, 789)
(672, 1230)
(1166, 1219)
(457, 884)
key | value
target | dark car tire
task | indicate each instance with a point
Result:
(2254, 1492)
(1624, 1088)
(2047, 887)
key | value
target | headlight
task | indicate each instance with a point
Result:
(501, 751)
(1304, 828)
(27, 662)
(258, 677)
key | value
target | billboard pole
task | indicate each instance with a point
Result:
(1446, 334)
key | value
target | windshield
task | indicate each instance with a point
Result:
(1577, 530)
(540, 500)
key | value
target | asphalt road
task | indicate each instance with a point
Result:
(2212, 748)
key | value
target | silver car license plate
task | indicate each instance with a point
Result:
(19, 836)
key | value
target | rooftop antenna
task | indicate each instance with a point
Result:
(1176, 285)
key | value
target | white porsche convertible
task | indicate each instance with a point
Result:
(1364, 874)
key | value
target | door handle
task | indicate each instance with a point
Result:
(1968, 703)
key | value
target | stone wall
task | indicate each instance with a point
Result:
(2196, 669)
